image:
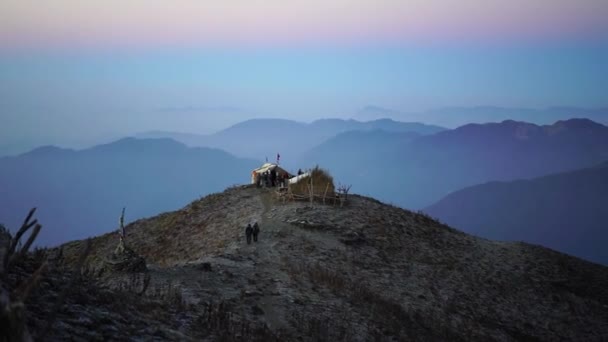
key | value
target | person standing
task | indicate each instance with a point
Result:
(256, 231)
(280, 179)
(258, 180)
(265, 179)
(273, 178)
(248, 232)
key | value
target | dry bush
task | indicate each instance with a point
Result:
(322, 183)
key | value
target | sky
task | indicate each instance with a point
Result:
(78, 72)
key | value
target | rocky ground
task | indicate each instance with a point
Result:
(365, 271)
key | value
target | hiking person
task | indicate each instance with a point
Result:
(256, 231)
(300, 172)
(248, 232)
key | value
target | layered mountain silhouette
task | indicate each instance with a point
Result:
(260, 138)
(565, 211)
(457, 116)
(80, 193)
(416, 172)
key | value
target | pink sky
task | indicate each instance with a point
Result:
(152, 23)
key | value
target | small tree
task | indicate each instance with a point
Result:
(343, 193)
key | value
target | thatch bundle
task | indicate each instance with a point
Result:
(322, 184)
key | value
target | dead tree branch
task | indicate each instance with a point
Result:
(343, 193)
(12, 307)
(31, 239)
(8, 257)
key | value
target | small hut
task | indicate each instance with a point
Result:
(268, 167)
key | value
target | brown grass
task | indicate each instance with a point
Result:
(322, 182)
(387, 318)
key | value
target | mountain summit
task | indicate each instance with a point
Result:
(365, 271)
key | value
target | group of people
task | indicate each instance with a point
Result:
(272, 178)
(252, 231)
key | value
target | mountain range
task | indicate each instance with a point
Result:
(565, 211)
(451, 117)
(458, 116)
(415, 172)
(81, 193)
(260, 138)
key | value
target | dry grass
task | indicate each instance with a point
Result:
(386, 317)
(322, 183)
(413, 279)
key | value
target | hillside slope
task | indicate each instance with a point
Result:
(565, 211)
(367, 271)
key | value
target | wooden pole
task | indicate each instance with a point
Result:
(311, 190)
(325, 193)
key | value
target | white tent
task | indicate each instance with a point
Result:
(296, 179)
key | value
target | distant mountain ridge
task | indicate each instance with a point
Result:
(260, 138)
(564, 211)
(418, 171)
(458, 116)
(405, 168)
(81, 192)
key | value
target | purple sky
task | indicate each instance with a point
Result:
(89, 70)
(156, 23)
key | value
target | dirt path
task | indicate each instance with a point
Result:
(269, 266)
(251, 275)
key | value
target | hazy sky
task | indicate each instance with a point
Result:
(73, 71)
